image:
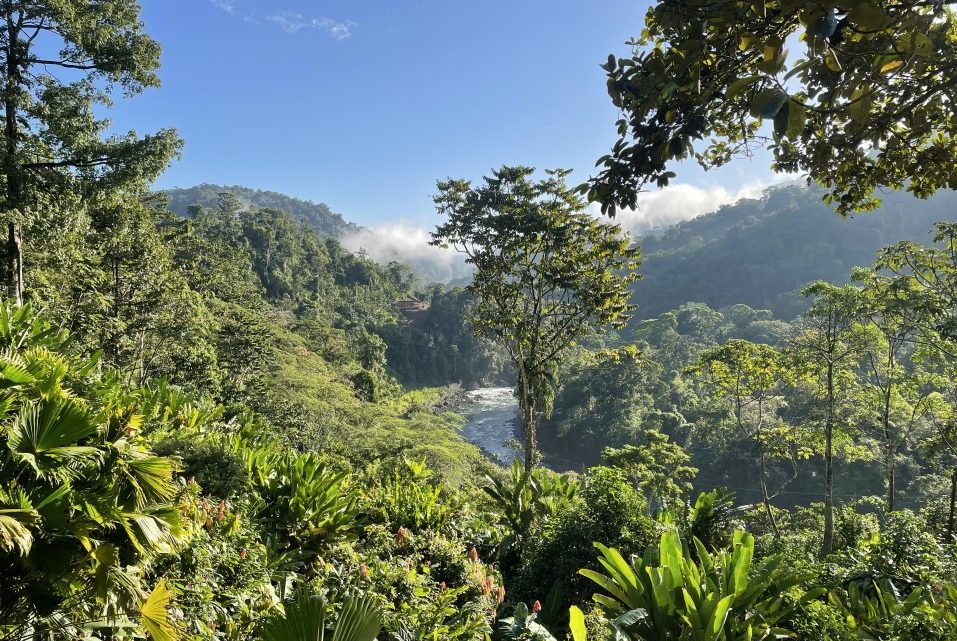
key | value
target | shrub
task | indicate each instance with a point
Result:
(218, 471)
(407, 499)
(606, 508)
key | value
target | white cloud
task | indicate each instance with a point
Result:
(677, 203)
(288, 21)
(229, 6)
(410, 245)
(292, 22)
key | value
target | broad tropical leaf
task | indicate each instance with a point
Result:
(46, 435)
(154, 614)
(305, 620)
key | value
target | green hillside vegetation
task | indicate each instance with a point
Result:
(762, 252)
(318, 215)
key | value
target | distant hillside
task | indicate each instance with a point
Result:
(319, 216)
(761, 252)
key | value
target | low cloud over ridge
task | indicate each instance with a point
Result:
(677, 203)
(406, 243)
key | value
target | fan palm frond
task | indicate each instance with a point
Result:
(15, 535)
(154, 614)
(46, 436)
(305, 620)
(149, 481)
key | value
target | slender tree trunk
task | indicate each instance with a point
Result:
(828, 543)
(763, 462)
(953, 504)
(767, 497)
(527, 403)
(890, 453)
(531, 440)
(14, 262)
(14, 195)
(891, 463)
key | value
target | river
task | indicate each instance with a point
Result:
(490, 415)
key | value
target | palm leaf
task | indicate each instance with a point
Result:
(304, 620)
(13, 373)
(150, 480)
(15, 536)
(154, 614)
(46, 435)
(360, 621)
(150, 532)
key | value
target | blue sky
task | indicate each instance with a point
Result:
(365, 104)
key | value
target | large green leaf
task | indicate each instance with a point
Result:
(359, 621)
(576, 623)
(305, 620)
(154, 614)
(46, 435)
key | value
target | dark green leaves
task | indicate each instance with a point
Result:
(718, 71)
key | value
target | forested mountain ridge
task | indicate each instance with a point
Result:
(761, 252)
(319, 216)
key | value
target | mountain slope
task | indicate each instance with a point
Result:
(318, 215)
(762, 252)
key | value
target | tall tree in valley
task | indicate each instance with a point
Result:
(547, 273)
(891, 392)
(926, 278)
(749, 378)
(606, 399)
(867, 100)
(936, 374)
(827, 350)
(62, 60)
(661, 469)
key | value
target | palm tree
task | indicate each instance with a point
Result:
(84, 505)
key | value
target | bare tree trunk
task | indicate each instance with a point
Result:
(953, 504)
(828, 542)
(767, 497)
(531, 440)
(14, 262)
(14, 196)
(891, 464)
(889, 450)
(527, 403)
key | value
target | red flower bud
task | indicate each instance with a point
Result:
(536, 607)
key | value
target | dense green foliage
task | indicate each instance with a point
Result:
(212, 425)
(865, 101)
(62, 63)
(317, 215)
(252, 444)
